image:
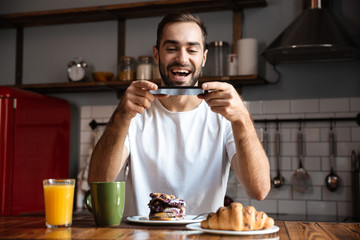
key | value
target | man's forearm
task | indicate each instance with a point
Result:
(109, 154)
(250, 163)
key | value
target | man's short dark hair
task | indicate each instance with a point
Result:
(181, 16)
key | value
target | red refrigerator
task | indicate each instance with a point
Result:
(34, 145)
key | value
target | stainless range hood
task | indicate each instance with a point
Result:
(316, 35)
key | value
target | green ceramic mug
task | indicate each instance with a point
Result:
(105, 200)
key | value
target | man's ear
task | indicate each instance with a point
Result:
(204, 57)
(155, 55)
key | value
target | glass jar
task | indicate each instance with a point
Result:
(126, 69)
(217, 54)
(144, 68)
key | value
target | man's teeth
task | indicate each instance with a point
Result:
(181, 72)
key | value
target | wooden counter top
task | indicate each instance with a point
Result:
(33, 227)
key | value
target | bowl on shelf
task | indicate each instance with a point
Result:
(103, 76)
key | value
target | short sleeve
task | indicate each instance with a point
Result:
(229, 140)
(127, 142)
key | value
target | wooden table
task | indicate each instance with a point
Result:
(33, 227)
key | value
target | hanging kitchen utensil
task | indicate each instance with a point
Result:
(277, 181)
(355, 186)
(300, 179)
(332, 180)
(265, 141)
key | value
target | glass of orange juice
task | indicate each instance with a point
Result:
(59, 198)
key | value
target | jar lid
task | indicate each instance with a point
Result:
(126, 58)
(219, 44)
(145, 58)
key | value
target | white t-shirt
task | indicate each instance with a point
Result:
(187, 154)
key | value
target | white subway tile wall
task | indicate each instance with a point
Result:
(318, 200)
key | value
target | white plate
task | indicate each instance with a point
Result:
(145, 220)
(197, 227)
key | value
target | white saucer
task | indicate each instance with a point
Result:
(145, 220)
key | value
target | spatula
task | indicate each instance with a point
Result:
(300, 179)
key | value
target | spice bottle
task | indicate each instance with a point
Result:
(126, 68)
(231, 63)
(144, 68)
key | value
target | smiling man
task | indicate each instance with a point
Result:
(181, 145)
(183, 54)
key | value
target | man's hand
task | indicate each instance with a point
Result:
(250, 162)
(110, 154)
(137, 98)
(224, 99)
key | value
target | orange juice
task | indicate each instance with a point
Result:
(59, 199)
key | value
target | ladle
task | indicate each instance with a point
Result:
(277, 181)
(332, 180)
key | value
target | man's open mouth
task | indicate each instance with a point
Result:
(181, 72)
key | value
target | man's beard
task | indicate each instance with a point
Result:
(166, 78)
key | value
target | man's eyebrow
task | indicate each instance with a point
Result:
(177, 43)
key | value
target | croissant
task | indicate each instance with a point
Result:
(235, 217)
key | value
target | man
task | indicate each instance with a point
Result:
(181, 145)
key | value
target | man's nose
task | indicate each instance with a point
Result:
(182, 56)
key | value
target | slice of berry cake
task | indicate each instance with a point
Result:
(166, 207)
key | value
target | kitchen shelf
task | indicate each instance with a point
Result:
(236, 81)
(121, 11)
